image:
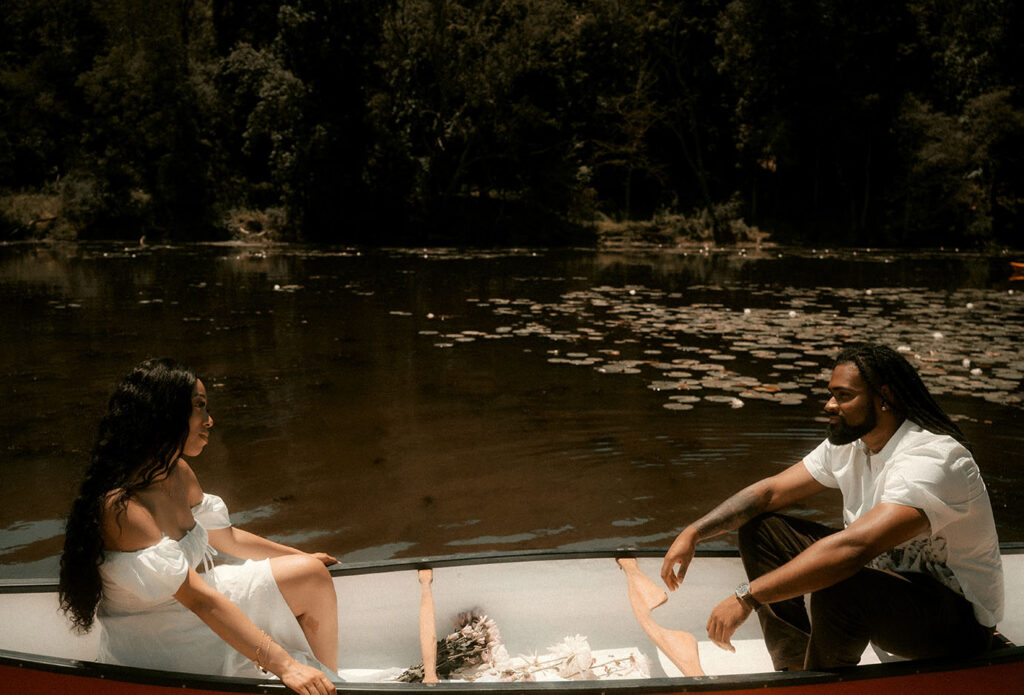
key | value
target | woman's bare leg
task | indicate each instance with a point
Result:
(644, 596)
(308, 590)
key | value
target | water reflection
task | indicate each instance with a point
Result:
(21, 534)
(408, 402)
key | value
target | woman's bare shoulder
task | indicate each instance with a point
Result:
(127, 524)
(189, 481)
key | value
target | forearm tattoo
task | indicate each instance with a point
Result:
(733, 512)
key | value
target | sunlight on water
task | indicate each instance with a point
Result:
(22, 534)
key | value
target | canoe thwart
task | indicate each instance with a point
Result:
(428, 628)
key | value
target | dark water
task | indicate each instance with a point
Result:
(402, 403)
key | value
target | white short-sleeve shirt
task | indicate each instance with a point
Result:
(936, 474)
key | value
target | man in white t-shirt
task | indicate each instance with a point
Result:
(916, 568)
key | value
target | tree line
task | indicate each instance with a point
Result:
(488, 121)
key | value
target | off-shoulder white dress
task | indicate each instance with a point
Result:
(142, 624)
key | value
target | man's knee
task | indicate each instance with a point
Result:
(759, 531)
(829, 597)
(844, 602)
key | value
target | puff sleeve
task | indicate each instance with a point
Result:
(153, 574)
(212, 513)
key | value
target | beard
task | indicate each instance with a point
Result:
(842, 433)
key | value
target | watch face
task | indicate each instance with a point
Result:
(743, 589)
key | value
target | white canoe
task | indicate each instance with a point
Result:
(537, 599)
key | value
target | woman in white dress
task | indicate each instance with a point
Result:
(139, 548)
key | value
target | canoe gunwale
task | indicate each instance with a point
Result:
(435, 562)
(43, 585)
(753, 681)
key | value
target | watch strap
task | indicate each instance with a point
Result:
(744, 595)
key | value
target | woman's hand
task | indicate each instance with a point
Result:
(234, 627)
(725, 620)
(680, 553)
(306, 680)
(328, 560)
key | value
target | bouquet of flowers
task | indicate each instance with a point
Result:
(474, 651)
(475, 641)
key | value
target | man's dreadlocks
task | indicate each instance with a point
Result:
(882, 366)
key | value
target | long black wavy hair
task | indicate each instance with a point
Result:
(140, 438)
(882, 366)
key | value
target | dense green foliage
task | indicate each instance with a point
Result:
(491, 121)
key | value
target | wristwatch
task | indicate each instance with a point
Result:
(745, 597)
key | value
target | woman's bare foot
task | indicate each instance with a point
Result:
(644, 595)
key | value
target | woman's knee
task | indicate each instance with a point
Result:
(302, 571)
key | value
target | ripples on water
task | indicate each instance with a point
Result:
(408, 403)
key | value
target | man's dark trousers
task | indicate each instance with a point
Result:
(909, 614)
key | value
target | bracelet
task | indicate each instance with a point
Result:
(263, 650)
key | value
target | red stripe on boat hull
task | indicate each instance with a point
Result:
(992, 678)
(29, 681)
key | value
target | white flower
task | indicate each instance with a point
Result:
(497, 656)
(574, 655)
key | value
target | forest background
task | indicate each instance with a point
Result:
(856, 122)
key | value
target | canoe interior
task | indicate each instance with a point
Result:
(535, 600)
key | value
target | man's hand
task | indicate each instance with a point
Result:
(680, 553)
(725, 620)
